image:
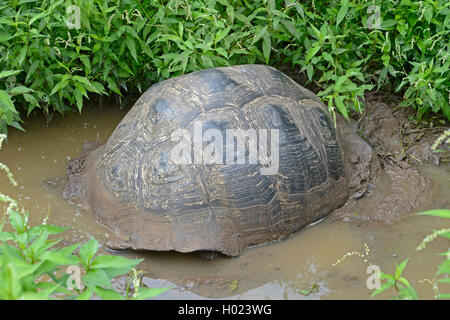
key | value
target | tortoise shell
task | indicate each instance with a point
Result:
(155, 203)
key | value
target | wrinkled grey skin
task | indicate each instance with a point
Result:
(360, 160)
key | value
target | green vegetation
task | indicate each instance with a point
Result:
(396, 281)
(120, 47)
(33, 266)
(403, 290)
(402, 287)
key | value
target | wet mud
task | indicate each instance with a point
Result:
(390, 186)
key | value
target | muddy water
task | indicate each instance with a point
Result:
(275, 271)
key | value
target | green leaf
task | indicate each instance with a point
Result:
(316, 32)
(6, 236)
(8, 73)
(180, 29)
(38, 16)
(61, 84)
(444, 280)
(11, 252)
(20, 90)
(83, 81)
(86, 295)
(388, 23)
(222, 52)
(97, 278)
(147, 293)
(12, 282)
(114, 272)
(222, 34)
(428, 13)
(291, 28)
(78, 98)
(258, 35)
(32, 69)
(69, 250)
(87, 251)
(266, 46)
(4, 37)
(17, 125)
(24, 269)
(442, 213)
(400, 268)
(388, 277)
(309, 71)
(342, 12)
(86, 63)
(39, 243)
(31, 295)
(328, 57)
(132, 47)
(230, 13)
(339, 83)
(305, 292)
(107, 294)
(58, 258)
(98, 87)
(51, 229)
(383, 287)
(125, 67)
(312, 51)
(17, 222)
(22, 55)
(404, 281)
(408, 293)
(5, 99)
(444, 267)
(112, 85)
(341, 106)
(116, 262)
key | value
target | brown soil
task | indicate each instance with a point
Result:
(395, 186)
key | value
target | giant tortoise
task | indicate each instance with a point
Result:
(152, 202)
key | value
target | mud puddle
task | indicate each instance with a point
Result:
(299, 267)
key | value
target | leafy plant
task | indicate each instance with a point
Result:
(34, 265)
(401, 285)
(123, 47)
